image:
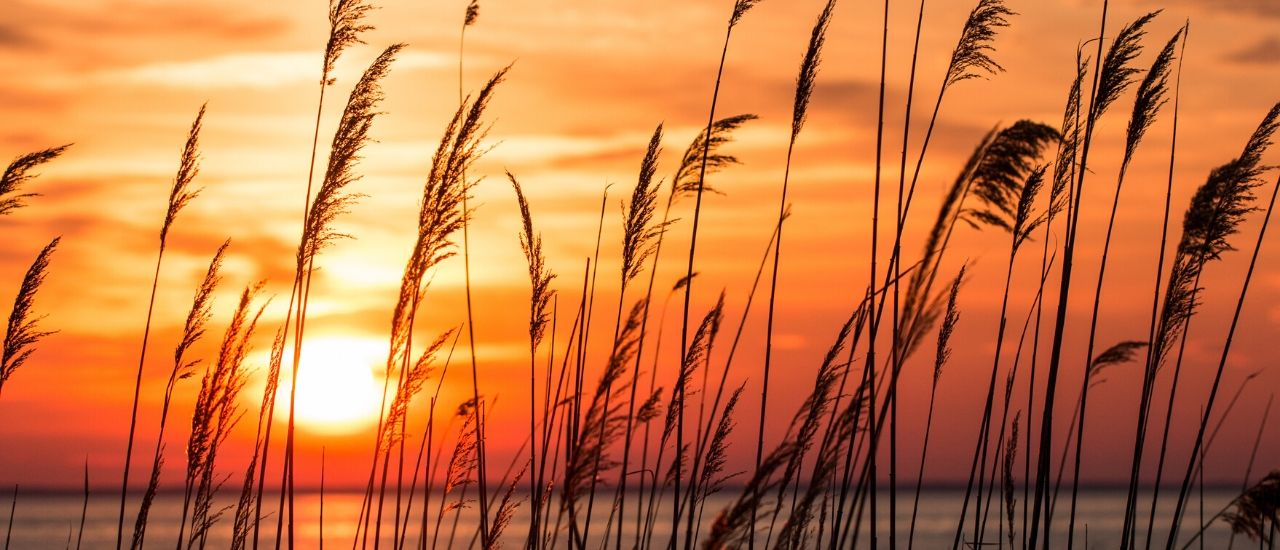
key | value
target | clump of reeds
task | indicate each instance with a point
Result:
(183, 367)
(18, 173)
(249, 502)
(216, 414)
(23, 332)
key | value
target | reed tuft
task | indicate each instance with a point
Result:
(971, 57)
(188, 166)
(349, 140)
(808, 77)
(686, 179)
(1256, 510)
(1117, 74)
(18, 173)
(23, 331)
(346, 22)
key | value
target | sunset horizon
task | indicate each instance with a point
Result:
(458, 277)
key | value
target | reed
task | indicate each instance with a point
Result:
(949, 322)
(1256, 510)
(23, 331)
(180, 195)
(540, 277)
(1235, 193)
(331, 200)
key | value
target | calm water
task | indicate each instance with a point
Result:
(45, 521)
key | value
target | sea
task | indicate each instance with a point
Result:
(51, 520)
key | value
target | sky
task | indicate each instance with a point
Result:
(123, 79)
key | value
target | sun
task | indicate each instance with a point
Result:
(338, 392)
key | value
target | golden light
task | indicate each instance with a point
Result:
(338, 392)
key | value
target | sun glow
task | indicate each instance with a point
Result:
(338, 392)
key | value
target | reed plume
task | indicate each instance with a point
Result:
(735, 525)
(346, 22)
(639, 235)
(472, 14)
(1006, 180)
(1147, 104)
(462, 465)
(695, 357)
(540, 276)
(1064, 169)
(1257, 510)
(422, 370)
(685, 181)
(1118, 73)
(1006, 480)
(711, 481)
(807, 420)
(808, 77)
(180, 195)
(1007, 185)
(972, 55)
(506, 510)
(740, 8)
(23, 331)
(1120, 353)
(18, 173)
(603, 421)
(689, 178)
(1111, 77)
(192, 331)
(1151, 96)
(352, 134)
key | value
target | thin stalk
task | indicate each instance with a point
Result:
(137, 389)
(1060, 318)
(84, 509)
(875, 235)
(897, 359)
(13, 510)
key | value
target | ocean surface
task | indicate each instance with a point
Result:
(51, 521)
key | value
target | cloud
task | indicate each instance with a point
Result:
(1265, 52)
(246, 70)
(13, 37)
(1266, 8)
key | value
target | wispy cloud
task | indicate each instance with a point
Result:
(1265, 52)
(246, 70)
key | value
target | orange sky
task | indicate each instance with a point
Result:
(123, 79)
